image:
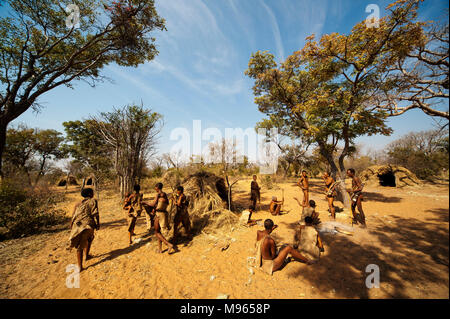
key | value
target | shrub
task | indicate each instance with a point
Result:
(26, 212)
(266, 181)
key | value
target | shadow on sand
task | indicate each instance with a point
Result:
(409, 245)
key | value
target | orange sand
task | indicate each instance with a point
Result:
(407, 237)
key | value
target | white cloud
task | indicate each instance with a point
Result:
(276, 31)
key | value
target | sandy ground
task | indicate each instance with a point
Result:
(407, 237)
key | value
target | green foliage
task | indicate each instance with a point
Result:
(157, 172)
(20, 146)
(426, 154)
(29, 150)
(25, 212)
(266, 182)
(87, 146)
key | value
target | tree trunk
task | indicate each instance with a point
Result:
(3, 128)
(67, 182)
(96, 186)
(229, 192)
(345, 198)
(343, 174)
(41, 172)
(340, 188)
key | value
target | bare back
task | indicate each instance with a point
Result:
(268, 247)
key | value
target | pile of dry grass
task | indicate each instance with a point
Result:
(207, 195)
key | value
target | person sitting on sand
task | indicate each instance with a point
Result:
(133, 207)
(267, 259)
(310, 211)
(161, 219)
(246, 216)
(85, 219)
(308, 240)
(275, 206)
(181, 214)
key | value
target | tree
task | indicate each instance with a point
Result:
(40, 52)
(20, 149)
(47, 147)
(173, 159)
(323, 93)
(31, 150)
(224, 152)
(422, 75)
(88, 147)
(132, 132)
(293, 157)
(424, 153)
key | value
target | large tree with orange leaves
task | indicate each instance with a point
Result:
(324, 92)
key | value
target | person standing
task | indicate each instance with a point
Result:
(85, 220)
(356, 198)
(303, 183)
(330, 193)
(255, 192)
(181, 214)
(161, 221)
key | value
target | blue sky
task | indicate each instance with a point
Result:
(199, 72)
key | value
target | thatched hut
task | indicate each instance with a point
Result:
(208, 198)
(389, 175)
(204, 184)
(67, 180)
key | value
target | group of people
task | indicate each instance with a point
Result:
(330, 193)
(156, 214)
(86, 219)
(307, 242)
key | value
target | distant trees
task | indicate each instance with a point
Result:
(224, 152)
(92, 154)
(132, 133)
(173, 159)
(29, 151)
(424, 153)
(40, 51)
(19, 151)
(293, 159)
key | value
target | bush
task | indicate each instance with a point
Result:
(426, 154)
(267, 182)
(26, 212)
